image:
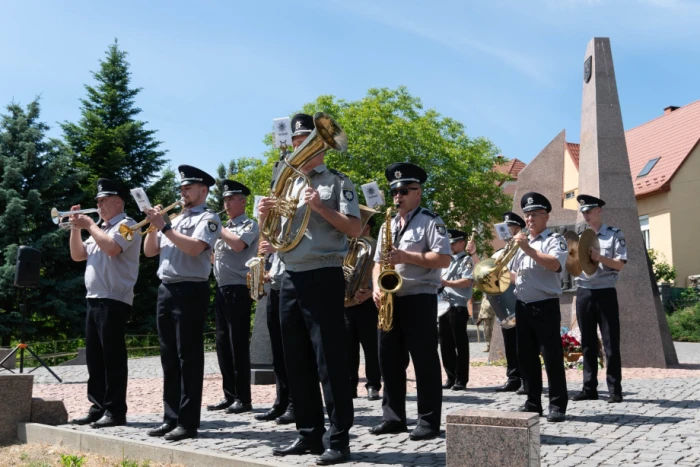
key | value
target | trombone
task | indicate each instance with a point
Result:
(58, 217)
(128, 232)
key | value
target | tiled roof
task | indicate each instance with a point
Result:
(670, 137)
(512, 167)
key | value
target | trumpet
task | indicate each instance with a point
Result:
(128, 232)
(59, 216)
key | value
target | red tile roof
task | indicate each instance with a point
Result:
(671, 137)
(512, 167)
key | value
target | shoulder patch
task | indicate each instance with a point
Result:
(562, 245)
(212, 226)
(441, 229)
(614, 229)
(429, 213)
(470, 265)
(623, 242)
(248, 226)
(338, 173)
(349, 195)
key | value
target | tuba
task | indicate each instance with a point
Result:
(389, 281)
(326, 135)
(492, 276)
(358, 261)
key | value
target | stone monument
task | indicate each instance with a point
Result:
(260, 348)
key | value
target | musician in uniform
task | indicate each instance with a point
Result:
(238, 243)
(184, 247)
(537, 267)
(515, 382)
(282, 411)
(361, 323)
(110, 275)
(312, 304)
(457, 291)
(596, 303)
(420, 250)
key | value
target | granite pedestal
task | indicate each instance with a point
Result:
(260, 348)
(10, 363)
(493, 438)
(49, 412)
(15, 404)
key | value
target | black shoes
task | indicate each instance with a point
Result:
(333, 456)
(510, 386)
(221, 405)
(388, 427)
(239, 407)
(86, 420)
(373, 394)
(286, 418)
(107, 420)
(448, 385)
(180, 433)
(269, 415)
(421, 433)
(459, 387)
(585, 396)
(299, 447)
(555, 416)
(614, 399)
(162, 430)
(527, 408)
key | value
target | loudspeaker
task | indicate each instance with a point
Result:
(28, 267)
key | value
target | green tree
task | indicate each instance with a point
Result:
(36, 175)
(109, 141)
(390, 125)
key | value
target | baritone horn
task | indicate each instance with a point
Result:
(358, 261)
(128, 232)
(327, 134)
(62, 218)
(492, 276)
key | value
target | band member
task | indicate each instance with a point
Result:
(110, 275)
(361, 323)
(515, 382)
(237, 244)
(420, 250)
(454, 342)
(596, 303)
(537, 268)
(282, 411)
(183, 299)
(311, 308)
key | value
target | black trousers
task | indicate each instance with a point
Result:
(599, 307)
(181, 311)
(539, 325)
(233, 305)
(454, 344)
(510, 343)
(105, 351)
(361, 324)
(315, 347)
(414, 333)
(284, 398)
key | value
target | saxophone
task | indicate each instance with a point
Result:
(389, 281)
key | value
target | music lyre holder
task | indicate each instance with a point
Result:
(22, 346)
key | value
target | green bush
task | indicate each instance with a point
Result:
(685, 324)
(663, 272)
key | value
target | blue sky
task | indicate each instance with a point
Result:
(215, 73)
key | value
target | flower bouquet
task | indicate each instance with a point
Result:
(571, 343)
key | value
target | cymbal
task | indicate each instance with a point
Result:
(573, 265)
(588, 240)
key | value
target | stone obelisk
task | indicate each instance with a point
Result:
(604, 171)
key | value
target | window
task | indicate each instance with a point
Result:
(644, 225)
(569, 195)
(647, 168)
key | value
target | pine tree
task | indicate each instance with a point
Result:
(36, 175)
(109, 141)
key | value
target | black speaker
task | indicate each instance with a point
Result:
(28, 267)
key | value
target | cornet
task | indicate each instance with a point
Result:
(128, 232)
(59, 216)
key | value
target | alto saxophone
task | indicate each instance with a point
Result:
(389, 281)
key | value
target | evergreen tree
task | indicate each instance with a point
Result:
(36, 175)
(109, 141)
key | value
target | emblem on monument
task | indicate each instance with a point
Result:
(587, 69)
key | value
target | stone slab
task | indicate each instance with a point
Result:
(10, 363)
(260, 376)
(493, 418)
(491, 446)
(15, 403)
(49, 412)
